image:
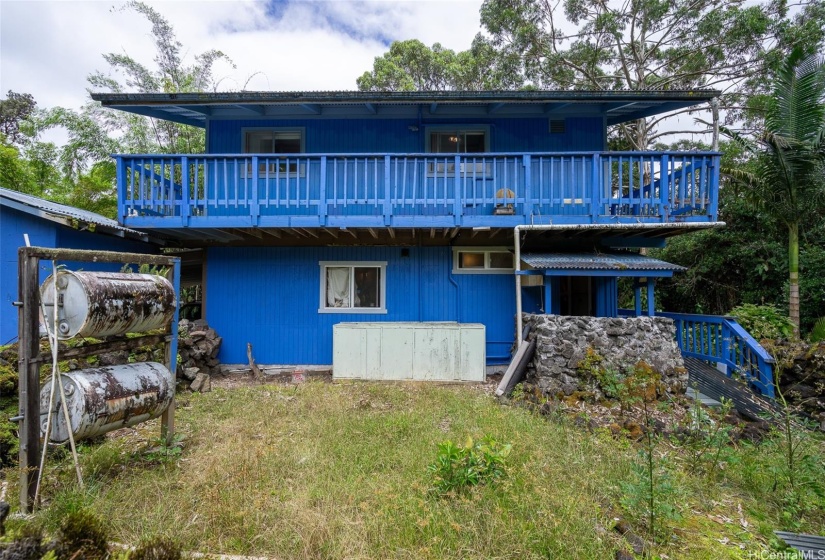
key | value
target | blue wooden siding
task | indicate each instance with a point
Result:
(394, 136)
(270, 297)
(44, 233)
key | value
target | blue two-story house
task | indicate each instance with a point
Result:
(316, 208)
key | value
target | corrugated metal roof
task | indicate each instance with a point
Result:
(37, 205)
(197, 108)
(812, 545)
(289, 97)
(596, 261)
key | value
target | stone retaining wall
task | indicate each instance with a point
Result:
(562, 344)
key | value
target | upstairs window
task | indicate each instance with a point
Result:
(265, 141)
(458, 141)
(274, 141)
(353, 287)
(447, 139)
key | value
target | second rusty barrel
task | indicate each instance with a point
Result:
(97, 304)
(103, 399)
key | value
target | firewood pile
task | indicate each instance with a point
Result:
(198, 347)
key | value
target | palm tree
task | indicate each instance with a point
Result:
(789, 178)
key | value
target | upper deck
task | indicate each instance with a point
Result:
(416, 190)
(411, 160)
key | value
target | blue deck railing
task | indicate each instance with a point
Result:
(723, 341)
(409, 190)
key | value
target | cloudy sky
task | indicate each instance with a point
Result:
(48, 48)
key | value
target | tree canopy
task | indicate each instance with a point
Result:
(413, 66)
(81, 172)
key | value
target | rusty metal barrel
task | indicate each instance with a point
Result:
(100, 304)
(107, 398)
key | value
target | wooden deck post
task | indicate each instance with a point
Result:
(29, 375)
(167, 419)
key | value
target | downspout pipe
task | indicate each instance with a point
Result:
(688, 226)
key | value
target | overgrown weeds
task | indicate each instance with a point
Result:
(340, 470)
(650, 494)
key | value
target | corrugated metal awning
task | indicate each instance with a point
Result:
(64, 214)
(621, 264)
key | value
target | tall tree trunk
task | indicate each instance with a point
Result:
(793, 276)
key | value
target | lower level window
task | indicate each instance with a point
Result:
(353, 287)
(482, 260)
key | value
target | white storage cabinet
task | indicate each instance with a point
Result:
(414, 351)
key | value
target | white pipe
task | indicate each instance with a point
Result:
(579, 227)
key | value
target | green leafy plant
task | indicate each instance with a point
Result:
(803, 465)
(163, 450)
(458, 468)
(518, 393)
(763, 321)
(650, 494)
(606, 378)
(708, 438)
(818, 332)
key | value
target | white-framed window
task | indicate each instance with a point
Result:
(482, 260)
(353, 287)
(272, 141)
(457, 139)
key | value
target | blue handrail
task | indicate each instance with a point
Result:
(723, 340)
(320, 190)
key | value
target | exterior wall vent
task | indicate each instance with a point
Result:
(557, 126)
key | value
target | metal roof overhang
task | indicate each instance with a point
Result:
(196, 109)
(598, 264)
(69, 216)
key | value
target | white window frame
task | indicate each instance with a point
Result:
(299, 169)
(438, 169)
(275, 130)
(487, 268)
(458, 129)
(382, 287)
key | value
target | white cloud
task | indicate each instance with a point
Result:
(48, 48)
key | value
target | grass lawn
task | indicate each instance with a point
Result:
(339, 470)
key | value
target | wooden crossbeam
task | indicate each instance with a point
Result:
(372, 232)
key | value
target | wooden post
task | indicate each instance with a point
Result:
(29, 374)
(167, 420)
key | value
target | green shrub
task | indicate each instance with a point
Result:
(763, 321)
(157, 548)
(459, 467)
(82, 535)
(818, 332)
(606, 378)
